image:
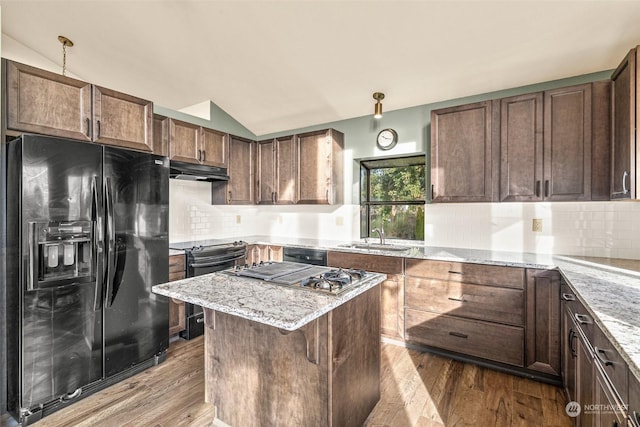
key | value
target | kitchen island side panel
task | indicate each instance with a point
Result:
(325, 373)
(261, 375)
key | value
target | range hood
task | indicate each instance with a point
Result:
(191, 172)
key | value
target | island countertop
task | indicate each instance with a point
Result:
(274, 305)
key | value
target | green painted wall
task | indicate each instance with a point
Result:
(413, 124)
(219, 120)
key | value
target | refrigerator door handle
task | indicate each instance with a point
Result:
(97, 245)
(111, 242)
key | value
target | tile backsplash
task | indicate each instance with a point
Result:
(608, 229)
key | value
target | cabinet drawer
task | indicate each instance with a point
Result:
(500, 343)
(465, 300)
(612, 363)
(510, 277)
(579, 314)
(377, 263)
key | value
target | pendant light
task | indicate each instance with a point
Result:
(65, 43)
(377, 112)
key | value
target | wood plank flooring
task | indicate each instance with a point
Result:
(417, 389)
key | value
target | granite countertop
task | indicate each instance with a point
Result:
(269, 303)
(609, 288)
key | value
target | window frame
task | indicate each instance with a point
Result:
(413, 160)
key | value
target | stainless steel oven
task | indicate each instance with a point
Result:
(204, 257)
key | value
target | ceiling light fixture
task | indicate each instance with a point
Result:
(65, 43)
(378, 96)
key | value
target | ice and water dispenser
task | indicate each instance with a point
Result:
(61, 253)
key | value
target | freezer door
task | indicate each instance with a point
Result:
(60, 339)
(136, 321)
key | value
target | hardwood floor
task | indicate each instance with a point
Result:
(417, 389)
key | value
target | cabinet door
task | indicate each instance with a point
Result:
(543, 321)
(634, 399)
(177, 317)
(584, 381)
(241, 171)
(213, 144)
(521, 148)
(42, 102)
(122, 120)
(266, 172)
(569, 354)
(184, 141)
(567, 143)
(314, 172)
(276, 253)
(391, 306)
(608, 411)
(461, 154)
(392, 289)
(286, 187)
(623, 145)
(160, 135)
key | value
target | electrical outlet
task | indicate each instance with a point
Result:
(339, 221)
(536, 225)
(238, 219)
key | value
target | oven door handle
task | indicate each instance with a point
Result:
(213, 264)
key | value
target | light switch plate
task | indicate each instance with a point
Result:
(238, 219)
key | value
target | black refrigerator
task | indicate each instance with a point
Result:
(87, 238)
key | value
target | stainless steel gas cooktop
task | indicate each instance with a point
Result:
(304, 276)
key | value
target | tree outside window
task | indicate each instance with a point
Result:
(392, 197)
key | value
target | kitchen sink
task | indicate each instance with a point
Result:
(376, 247)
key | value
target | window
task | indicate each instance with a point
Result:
(392, 197)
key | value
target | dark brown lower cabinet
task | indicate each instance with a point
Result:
(492, 341)
(594, 374)
(176, 308)
(543, 325)
(634, 400)
(391, 290)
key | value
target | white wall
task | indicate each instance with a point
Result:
(607, 229)
(192, 217)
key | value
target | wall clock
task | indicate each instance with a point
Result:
(387, 139)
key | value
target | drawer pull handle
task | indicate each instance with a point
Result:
(456, 272)
(600, 351)
(583, 319)
(459, 335)
(568, 297)
(200, 320)
(459, 299)
(636, 416)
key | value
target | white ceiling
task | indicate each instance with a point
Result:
(279, 65)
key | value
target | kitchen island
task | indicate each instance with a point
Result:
(276, 355)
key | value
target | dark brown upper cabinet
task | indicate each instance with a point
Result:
(276, 171)
(320, 167)
(241, 187)
(195, 144)
(122, 120)
(40, 101)
(625, 153)
(160, 135)
(567, 144)
(462, 150)
(521, 124)
(545, 145)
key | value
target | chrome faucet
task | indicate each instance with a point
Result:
(380, 232)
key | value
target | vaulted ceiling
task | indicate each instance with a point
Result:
(278, 65)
